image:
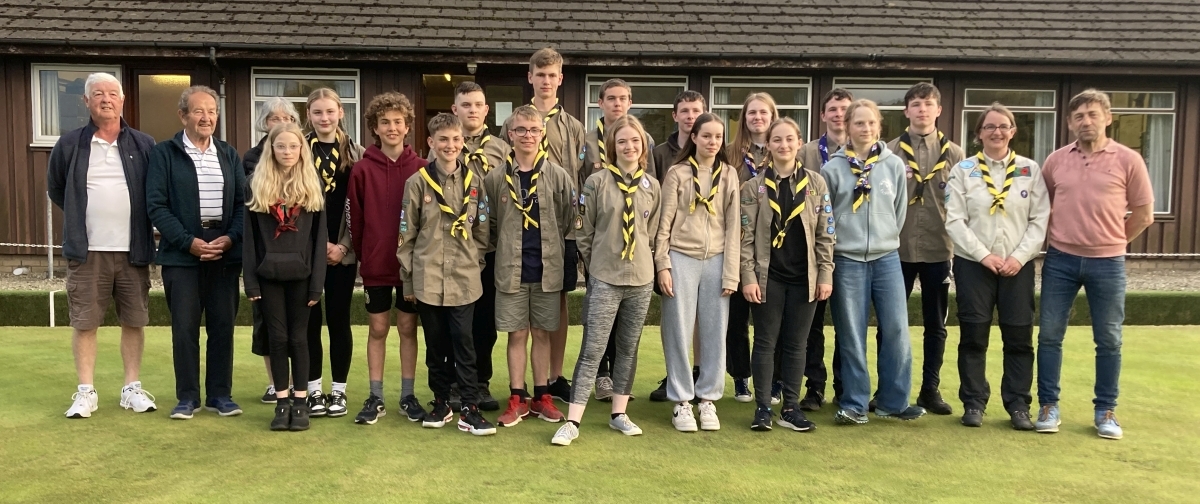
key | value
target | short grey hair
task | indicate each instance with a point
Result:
(101, 77)
(273, 105)
(187, 95)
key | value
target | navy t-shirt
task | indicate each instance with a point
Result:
(531, 237)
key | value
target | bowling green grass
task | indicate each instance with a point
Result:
(120, 456)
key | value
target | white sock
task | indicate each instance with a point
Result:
(339, 387)
(133, 385)
(85, 388)
(314, 386)
(271, 389)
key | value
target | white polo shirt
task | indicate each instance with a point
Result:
(209, 178)
(107, 215)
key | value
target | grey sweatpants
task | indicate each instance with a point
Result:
(605, 305)
(697, 286)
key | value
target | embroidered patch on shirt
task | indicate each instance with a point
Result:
(1024, 172)
(646, 214)
(745, 220)
(762, 189)
(941, 185)
(828, 209)
(976, 174)
(582, 209)
(428, 198)
(470, 219)
(579, 223)
(747, 201)
(646, 183)
(826, 198)
(966, 164)
(829, 220)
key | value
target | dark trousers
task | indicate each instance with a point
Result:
(781, 327)
(339, 289)
(978, 292)
(935, 292)
(737, 338)
(450, 350)
(814, 355)
(285, 312)
(483, 325)
(209, 290)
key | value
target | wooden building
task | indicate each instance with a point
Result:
(1032, 56)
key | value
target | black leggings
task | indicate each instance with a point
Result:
(339, 290)
(781, 326)
(285, 310)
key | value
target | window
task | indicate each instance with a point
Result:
(1034, 111)
(888, 94)
(58, 99)
(1145, 122)
(653, 101)
(792, 96)
(296, 84)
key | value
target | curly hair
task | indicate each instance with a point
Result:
(387, 102)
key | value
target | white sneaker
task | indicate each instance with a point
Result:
(604, 388)
(85, 404)
(708, 416)
(136, 399)
(683, 419)
(565, 435)
(626, 426)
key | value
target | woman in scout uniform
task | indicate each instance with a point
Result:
(786, 246)
(334, 154)
(868, 188)
(749, 151)
(696, 256)
(618, 219)
(997, 211)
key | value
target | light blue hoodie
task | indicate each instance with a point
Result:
(874, 230)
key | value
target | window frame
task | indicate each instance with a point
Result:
(1174, 114)
(967, 129)
(35, 81)
(306, 73)
(763, 82)
(632, 80)
(901, 83)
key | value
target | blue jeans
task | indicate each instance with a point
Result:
(856, 286)
(1103, 280)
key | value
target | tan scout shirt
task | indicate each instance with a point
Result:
(756, 233)
(593, 161)
(810, 154)
(496, 151)
(757, 156)
(439, 269)
(698, 233)
(600, 230)
(923, 237)
(1019, 231)
(555, 216)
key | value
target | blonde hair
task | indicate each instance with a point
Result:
(526, 112)
(297, 185)
(867, 104)
(741, 142)
(784, 121)
(545, 57)
(343, 140)
(610, 138)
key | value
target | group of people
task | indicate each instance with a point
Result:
(490, 232)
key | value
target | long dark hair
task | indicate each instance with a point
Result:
(689, 148)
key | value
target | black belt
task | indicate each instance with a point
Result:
(210, 224)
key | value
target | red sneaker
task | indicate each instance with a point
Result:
(517, 409)
(545, 409)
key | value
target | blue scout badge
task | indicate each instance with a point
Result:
(829, 220)
(828, 209)
(976, 174)
(482, 218)
(966, 164)
(829, 230)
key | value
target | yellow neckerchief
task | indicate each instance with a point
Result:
(712, 192)
(906, 146)
(460, 218)
(524, 204)
(862, 188)
(628, 214)
(773, 198)
(1009, 169)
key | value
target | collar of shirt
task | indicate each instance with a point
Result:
(103, 143)
(930, 140)
(212, 145)
(1108, 147)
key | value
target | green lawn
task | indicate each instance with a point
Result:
(121, 456)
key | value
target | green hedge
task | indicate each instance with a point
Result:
(31, 308)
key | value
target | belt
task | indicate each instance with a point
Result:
(210, 224)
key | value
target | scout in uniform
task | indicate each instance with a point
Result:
(618, 219)
(787, 267)
(441, 230)
(530, 209)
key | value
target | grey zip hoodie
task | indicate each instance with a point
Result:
(874, 230)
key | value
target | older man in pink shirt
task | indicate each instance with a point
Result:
(1100, 200)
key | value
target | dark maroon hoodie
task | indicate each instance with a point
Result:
(376, 194)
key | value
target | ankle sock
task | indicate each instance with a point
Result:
(519, 392)
(339, 387)
(615, 415)
(572, 422)
(540, 390)
(314, 386)
(377, 388)
(406, 387)
(85, 388)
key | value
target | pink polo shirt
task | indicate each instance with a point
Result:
(1090, 195)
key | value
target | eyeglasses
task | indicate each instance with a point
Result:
(285, 147)
(1003, 128)
(528, 131)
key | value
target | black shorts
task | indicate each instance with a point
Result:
(570, 266)
(379, 299)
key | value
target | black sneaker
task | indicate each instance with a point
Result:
(455, 398)
(336, 404)
(909, 413)
(372, 409)
(486, 401)
(762, 419)
(794, 419)
(560, 389)
(659, 394)
(269, 396)
(777, 392)
(300, 413)
(470, 420)
(848, 417)
(813, 400)
(283, 416)
(1020, 420)
(741, 390)
(437, 417)
(871, 405)
(973, 418)
(412, 408)
(933, 403)
(316, 404)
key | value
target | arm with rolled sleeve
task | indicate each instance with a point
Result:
(158, 203)
(965, 240)
(733, 246)
(1039, 218)
(667, 208)
(750, 221)
(408, 233)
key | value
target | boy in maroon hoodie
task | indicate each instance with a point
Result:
(375, 199)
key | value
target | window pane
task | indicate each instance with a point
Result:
(884, 97)
(732, 119)
(1152, 135)
(893, 124)
(352, 121)
(736, 95)
(302, 87)
(1011, 98)
(1126, 100)
(1034, 138)
(157, 94)
(61, 98)
(642, 94)
(657, 121)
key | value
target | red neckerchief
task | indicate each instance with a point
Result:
(286, 217)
